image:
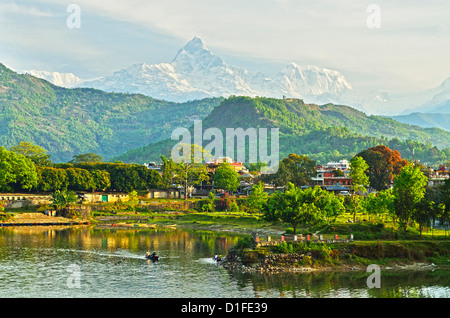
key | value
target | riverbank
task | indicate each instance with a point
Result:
(390, 249)
(40, 219)
(356, 255)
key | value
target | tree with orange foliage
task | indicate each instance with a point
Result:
(383, 163)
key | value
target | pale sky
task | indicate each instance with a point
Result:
(410, 51)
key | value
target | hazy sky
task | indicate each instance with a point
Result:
(409, 51)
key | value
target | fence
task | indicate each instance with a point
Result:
(271, 241)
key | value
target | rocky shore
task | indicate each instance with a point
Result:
(272, 263)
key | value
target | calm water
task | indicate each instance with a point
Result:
(83, 262)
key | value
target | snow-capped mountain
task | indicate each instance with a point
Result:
(440, 101)
(196, 73)
(67, 80)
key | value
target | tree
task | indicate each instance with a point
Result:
(189, 171)
(16, 171)
(80, 179)
(330, 205)
(209, 206)
(409, 189)
(383, 164)
(52, 179)
(168, 171)
(226, 178)
(297, 169)
(87, 157)
(425, 212)
(33, 152)
(358, 168)
(101, 180)
(381, 203)
(62, 199)
(257, 198)
(133, 200)
(292, 207)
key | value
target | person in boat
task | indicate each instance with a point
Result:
(147, 255)
(152, 256)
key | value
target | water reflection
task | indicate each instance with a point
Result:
(39, 262)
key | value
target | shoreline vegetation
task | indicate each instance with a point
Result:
(374, 242)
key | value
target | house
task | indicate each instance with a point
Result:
(169, 193)
(333, 173)
(99, 197)
(152, 165)
(437, 177)
(214, 164)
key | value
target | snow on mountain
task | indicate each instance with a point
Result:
(436, 100)
(67, 80)
(196, 73)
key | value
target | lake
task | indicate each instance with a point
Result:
(82, 261)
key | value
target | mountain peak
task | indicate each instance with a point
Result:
(195, 44)
(194, 56)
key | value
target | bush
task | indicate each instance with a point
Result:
(5, 216)
(234, 207)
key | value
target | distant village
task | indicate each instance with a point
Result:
(333, 177)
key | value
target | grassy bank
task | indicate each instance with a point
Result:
(292, 255)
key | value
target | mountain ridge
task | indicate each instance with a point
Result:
(196, 73)
(323, 132)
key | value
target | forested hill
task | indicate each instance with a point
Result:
(68, 122)
(328, 132)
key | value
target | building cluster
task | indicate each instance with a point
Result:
(333, 176)
(437, 177)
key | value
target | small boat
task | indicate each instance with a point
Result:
(153, 257)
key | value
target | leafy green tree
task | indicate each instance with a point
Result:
(330, 205)
(133, 200)
(226, 178)
(425, 212)
(257, 197)
(409, 189)
(168, 169)
(16, 171)
(80, 179)
(209, 206)
(380, 204)
(358, 168)
(36, 153)
(297, 169)
(52, 179)
(62, 199)
(101, 180)
(190, 172)
(444, 192)
(293, 207)
(86, 157)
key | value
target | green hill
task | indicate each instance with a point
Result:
(67, 122)
(328, 132)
